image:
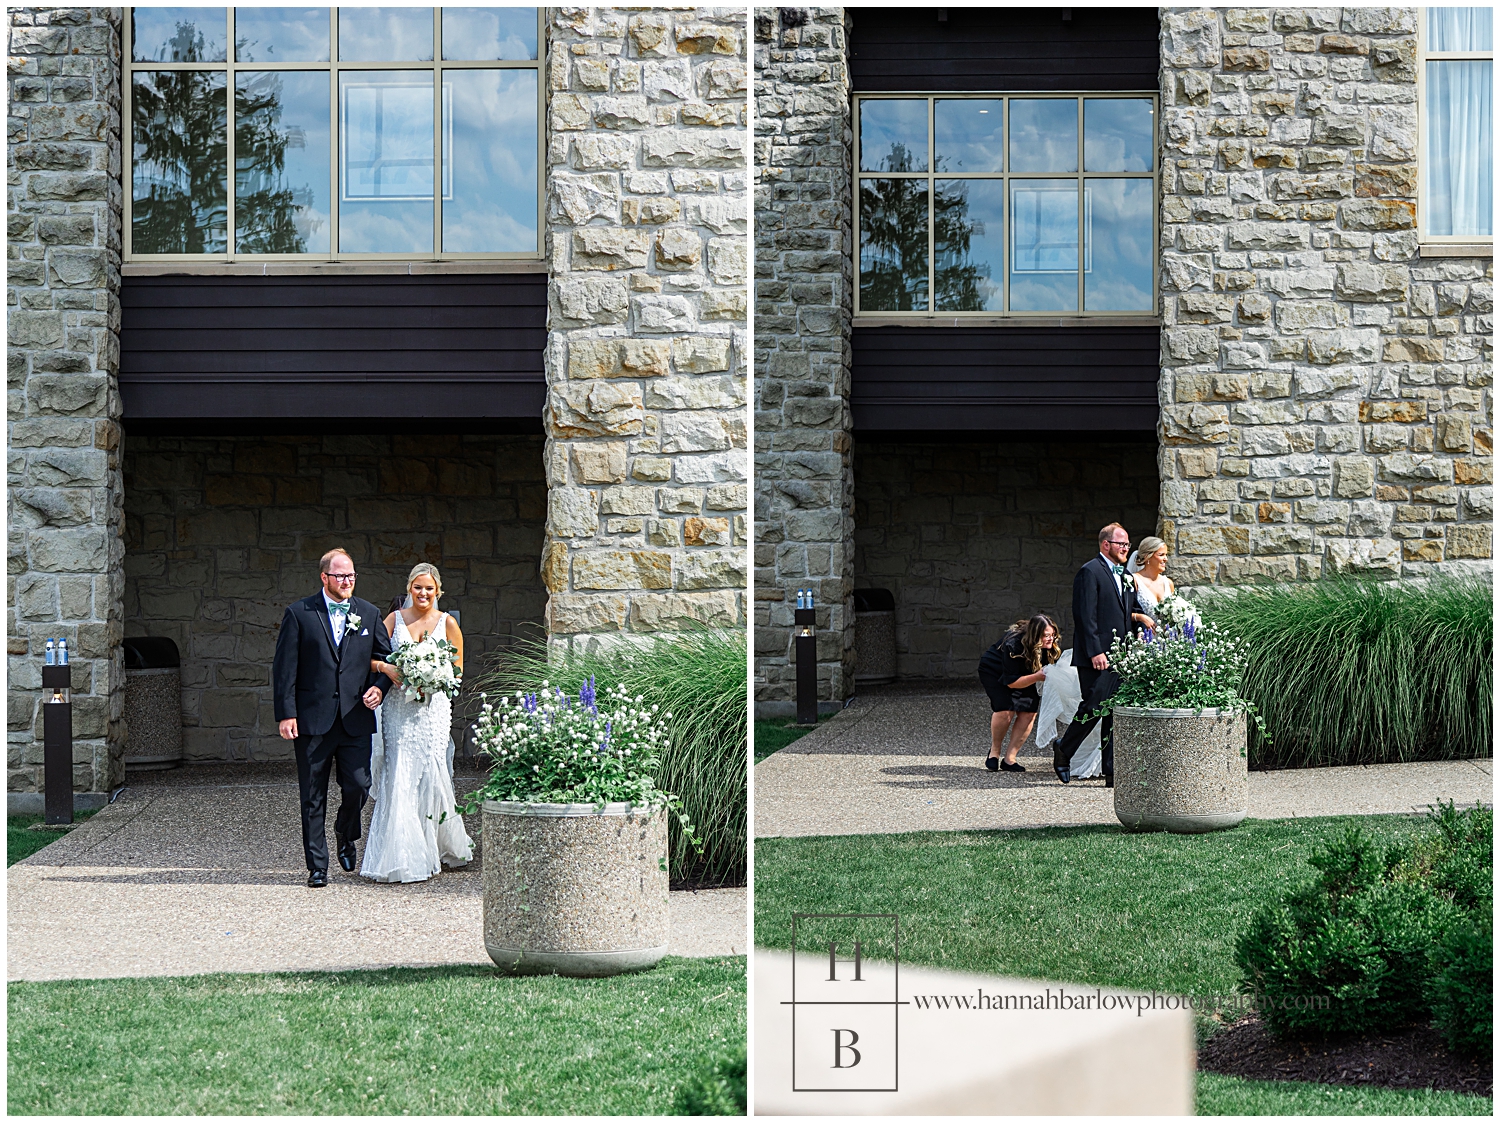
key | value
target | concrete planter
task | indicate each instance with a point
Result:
(573, 889)
(1180, 770)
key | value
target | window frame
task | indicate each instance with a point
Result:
(332, 67)
(1423, 56)
(932, 313)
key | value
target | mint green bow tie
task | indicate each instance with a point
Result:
(1118, 569)
(335, 606)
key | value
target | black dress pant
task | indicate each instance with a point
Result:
(348, 756)
(1096, 687)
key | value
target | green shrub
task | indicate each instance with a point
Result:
(1364, 672)
(718, 1090)
(700, 678)
(1462, 993)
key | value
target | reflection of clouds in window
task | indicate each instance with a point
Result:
(281, 34)
(494, 191)
(1118, 249)
(387, 135)
(1044, 135)
(968, 135)
(281, 162)
(1461, 29)
(487, 34)
(893, 135)
(385, 34)
(178, 34)
(969, 243)
(1117, 135)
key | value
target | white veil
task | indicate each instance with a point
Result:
(1134, 564)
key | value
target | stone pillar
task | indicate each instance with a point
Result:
(804, 513)
(1325, 383)
(646, 249)
(63, 424)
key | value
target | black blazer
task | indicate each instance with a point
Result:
(1099, 611)
(312, 681)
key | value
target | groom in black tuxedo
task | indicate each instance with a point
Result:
(1102, 605)
(325, 696)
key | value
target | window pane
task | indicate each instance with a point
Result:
(893, 136)
(969, 135)
(385, 175)
(1044, 245)
(179, 193)
(482, 34)
(1117, 134)
(281, 34)
(491, 207)
(385, 34)
(969, 224)
(1460, 29)
(1043, 135)
(893, 245)
(1460, 156)
(281, 154)
(1117, 242)
(178, 34)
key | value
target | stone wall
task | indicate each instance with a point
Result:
(804, 261)
(62, 428)
(224, 532)
(1325, 383)
(646, 250)
(972, 535)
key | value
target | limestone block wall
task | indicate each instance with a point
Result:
(63, 406)
(224, 532)
(972, 535)
(804, 259)
(646, 454)
(1325, 384)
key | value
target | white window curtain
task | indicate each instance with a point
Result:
(1459, 129)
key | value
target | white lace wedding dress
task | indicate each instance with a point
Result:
(415, 830)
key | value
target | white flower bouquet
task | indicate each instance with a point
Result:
(428, 668)
(1177, 612)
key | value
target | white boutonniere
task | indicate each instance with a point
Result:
(354, 621)
(1127, 580)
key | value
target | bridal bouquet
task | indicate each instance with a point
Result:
(428, 668)
(551, 747)
(1177, 612)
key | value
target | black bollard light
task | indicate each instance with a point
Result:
(57, 739)
(807, 666)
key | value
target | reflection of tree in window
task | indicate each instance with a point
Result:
(893, 239)
(266, 207)
(956, 276)
(179, 195)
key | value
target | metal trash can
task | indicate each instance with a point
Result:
(874, 636)
(153, 703)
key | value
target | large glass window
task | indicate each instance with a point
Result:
(1458, 157)
(1006, 204)
(333, 132)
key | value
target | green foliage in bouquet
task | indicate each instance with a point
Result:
(1365, 672)
(699, 677)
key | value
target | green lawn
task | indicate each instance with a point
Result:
(1229, 1095)
(779, 732)
(441, 1041)
(22, 842)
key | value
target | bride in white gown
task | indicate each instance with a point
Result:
(415, 829)
(1152, 585)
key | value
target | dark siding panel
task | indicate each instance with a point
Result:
(907, 49)
(463, 345)
(1006, 379)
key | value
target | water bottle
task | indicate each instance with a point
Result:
(809, 598)
(51, 652)
(800, 605)
(62, 653)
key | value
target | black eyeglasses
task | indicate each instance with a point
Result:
(342, 576)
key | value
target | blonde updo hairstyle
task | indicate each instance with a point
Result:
(429, 570)
(1148, 546)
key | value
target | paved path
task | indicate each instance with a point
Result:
(200, 870)
(908, 758)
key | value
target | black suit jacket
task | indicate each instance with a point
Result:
(308, 674)
(1099, 611)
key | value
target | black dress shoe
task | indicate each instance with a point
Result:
(1012, 766)
(347, 856)
(992, 763)
(1062, 772)
(1109, 779)
(317, 879)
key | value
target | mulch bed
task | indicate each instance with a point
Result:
(1411, 1058)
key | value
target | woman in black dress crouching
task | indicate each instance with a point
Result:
(1009, 672)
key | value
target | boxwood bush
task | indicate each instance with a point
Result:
(1379, 941)
(1364, 672)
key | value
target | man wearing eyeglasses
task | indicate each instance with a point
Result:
(325, 696)
(1103, 600)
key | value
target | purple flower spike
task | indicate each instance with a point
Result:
(1189, 630)
(1150, 635)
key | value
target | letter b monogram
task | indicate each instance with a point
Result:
(840, 1047)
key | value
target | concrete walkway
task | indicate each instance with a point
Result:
(200, 870)
(909, 758)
